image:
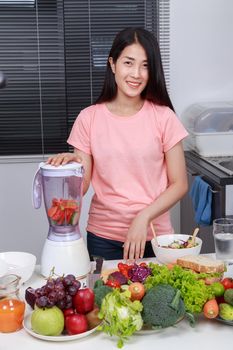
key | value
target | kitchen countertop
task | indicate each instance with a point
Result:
(202, 167)
(209, 334)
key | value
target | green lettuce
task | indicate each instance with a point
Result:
(193, 290)
(121, 317)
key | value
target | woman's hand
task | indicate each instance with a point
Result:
(64, 158)
(135, 242)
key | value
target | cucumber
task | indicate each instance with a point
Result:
(75, 218)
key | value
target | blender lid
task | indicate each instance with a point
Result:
(70, 169)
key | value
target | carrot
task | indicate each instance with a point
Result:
(170, 265)
(211, 308)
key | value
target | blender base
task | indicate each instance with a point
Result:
(65, 258)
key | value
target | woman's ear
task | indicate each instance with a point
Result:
(110, 60)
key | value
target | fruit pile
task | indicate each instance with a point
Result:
(64, 212)
(61, 306)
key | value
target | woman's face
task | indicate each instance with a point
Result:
(131, 71)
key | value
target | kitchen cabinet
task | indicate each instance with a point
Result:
(219, 182)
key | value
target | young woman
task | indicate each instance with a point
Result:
(129, 143)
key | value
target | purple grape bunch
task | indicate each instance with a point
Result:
(57, 291)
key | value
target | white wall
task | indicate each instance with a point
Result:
(201, 69)
(201, 51)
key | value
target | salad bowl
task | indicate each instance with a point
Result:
(168, 248)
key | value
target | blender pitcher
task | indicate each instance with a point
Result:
(64, 250)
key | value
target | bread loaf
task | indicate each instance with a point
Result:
(201, 263)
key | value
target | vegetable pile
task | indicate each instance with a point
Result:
(64, 212)
(128, 302)
(152, 296)
(222, 303)
(193, 289)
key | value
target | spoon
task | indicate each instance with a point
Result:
(154, 233)
(192, 242)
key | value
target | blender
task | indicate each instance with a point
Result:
(64, 250)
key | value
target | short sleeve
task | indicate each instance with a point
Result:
(80, 133)
(173, 130)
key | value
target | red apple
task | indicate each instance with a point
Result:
(83, 300)
(76, 324)
(68, 312)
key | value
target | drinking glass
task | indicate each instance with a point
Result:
(223, 239)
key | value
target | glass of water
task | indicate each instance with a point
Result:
(223, 239)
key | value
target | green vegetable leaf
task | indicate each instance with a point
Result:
(121, 317)
(193, 290)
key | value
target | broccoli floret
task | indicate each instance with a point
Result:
(162, 306)
(100, 290)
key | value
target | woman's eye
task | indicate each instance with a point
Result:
(145, 65)
(128, 63)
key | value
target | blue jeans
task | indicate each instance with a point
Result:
(110, 249)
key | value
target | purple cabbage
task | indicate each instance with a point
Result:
(139, 273)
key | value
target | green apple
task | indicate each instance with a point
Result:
(47, 321)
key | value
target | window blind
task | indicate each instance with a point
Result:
(54, 53)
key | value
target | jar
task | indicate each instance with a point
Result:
(11, 306)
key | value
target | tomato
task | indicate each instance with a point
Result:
(61, 218)
(113, 283)
(57, 215)
(68, 215)
(76, 324)
(227, 283)
(52, 211)
(137, 291)
(83, 300)
(217, 288)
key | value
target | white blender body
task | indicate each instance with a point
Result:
(64, 250)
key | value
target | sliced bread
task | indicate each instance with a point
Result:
(201, 263)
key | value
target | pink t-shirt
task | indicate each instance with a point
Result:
(129, 171)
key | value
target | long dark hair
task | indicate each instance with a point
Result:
(155, 90)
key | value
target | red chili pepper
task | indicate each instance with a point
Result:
(120, 266)
(113, 284)
(143, 264)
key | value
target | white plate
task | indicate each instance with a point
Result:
(148, 331)
(220, 319)
(27, 327)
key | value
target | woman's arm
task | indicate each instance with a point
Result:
(177, 187)
(86, 160)
(79, 157)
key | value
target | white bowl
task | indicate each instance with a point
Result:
(3, 267)
(21, 264)
(170, 255)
